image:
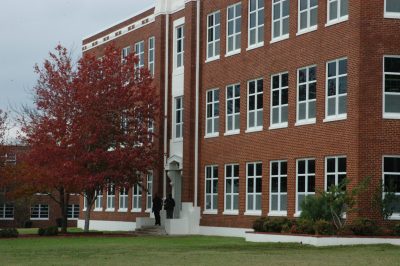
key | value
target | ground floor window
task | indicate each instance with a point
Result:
(98, 205)
(254, 188)
(211, 196)
(391, 181)
(111, 197)
(335, 168)
(73, 211)
(305, 181)
(40, 212)
(278, 191)
(232, 188)
(137, 198)
(6, 211)
(149, 198)
(123, 199)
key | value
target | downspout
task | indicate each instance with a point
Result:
(196, 142)
(166, 104)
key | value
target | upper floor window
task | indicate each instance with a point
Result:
(125, 52)
(336, 89)
(253, 188)
(234, 32)
(391, 97)
(213, 35)
(211, 191)
(123, 199)
(278, 195)
(212, 111)
(152, 44)
(256, 22)
(233, 108)
(255, 105)
(306, 95)
(73, 211)
(139, 50)
(232, 188)
(280, 20)
(392, 9)
(280, 100)
(180, 46)
(335, 171)
(305, 181)
(6, 211)
(308, 15)
(179, 117)
(391, 181)
(137, 198)
(338, 11)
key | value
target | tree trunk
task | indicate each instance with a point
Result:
(87, 220)
(90, 198)
(64, 198)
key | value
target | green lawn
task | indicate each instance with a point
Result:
(195, 250)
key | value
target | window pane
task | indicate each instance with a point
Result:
(333, 8)
(301, 185)
(392, 5)
(392, 103)
(311, 184)
(344, 8)
(342, 105)
(283, 203)
(392, 64)
(274, 184)
(392, 83)
(392, 164)
(301, 168)
(274, 202)
(331, 165)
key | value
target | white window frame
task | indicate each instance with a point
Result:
(110, 198)
(337, 95)
(216, 42)
(41, 212)
(256, 111)
(258, 27)
(385, 114)
(137, 198)
(149, 194)
(336, 173)
(179, 64)
(139, 51)
(281, 18)
(254, 194)
(123, 201)
(306, 176)
(152, 55)
(85, 203)
(339, 18)
(4, 208)
(279, 212)
(178, 112)
(395, 15)
(230, 210)
(307, 83)
(213, 209)
(73, 212)
(394, 216)
(235, 31)
(235, 100)
(98, 204)
(281, 105)
(125, 52)
(308, 10)
(213, 104)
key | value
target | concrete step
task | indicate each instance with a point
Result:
(151, 231)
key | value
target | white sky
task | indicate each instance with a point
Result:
(29, 29)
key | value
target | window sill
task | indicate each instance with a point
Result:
(395, 217)
(84, 209)
(308, 30)
(297, 215)
(305, 122)
(232, 133)
(98, 210)
(278, 126)
(39, 219)
(122, 210)
(253, 213)
(148, 211)
(255, 46)
(7, 219)
(282, 38)
(136, 210)
(210, 212)
(233, 53)
(230, 213)
(391, 116)
(110, 210)
(337, 21)
(392, 15)
(335, 118)
(277, 214)
(73, 219)
(210, 136)
(254, 129)
(211, 59)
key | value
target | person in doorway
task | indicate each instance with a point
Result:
(157, 206)
(169, 206)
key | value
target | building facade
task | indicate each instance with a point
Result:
(264, 103)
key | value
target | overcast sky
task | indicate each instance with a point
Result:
(29, 29)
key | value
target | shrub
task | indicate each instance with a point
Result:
(277, 225)
(303, 226)
(49, 231)
(315, 208)
(258, 224)
(323, 227)
(9, 233)
(364, 227)
(396, 229)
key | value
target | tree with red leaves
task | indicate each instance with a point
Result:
(90, 127)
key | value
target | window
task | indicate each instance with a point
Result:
(233, 109)
(278, 194)
(40, 212)
(308, 15)
(10, 159)
(254, 188)
(391, 181)
(335, 171)
(139, 50)
(73, 211)
(180, 46)
(85, 203)
(149, 198)
(391, 98)
(338, 11)
(306, 95)
(255, 105)
(111, 197)
(232, 189)
(280, 20)
(151, 130)
(392, 9)
(179, 117)
(98, 204)
(137, 198)
(212, 106)
(6, 211)
(279, 102)
(305, 181)
(234, 33)
(213, 35)
(125, 52)
(152, 44)
(123, 199)
(256, 23)
(336, 89)
(211, 197)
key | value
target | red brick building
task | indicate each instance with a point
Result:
(264, 103)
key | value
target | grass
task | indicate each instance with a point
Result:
(193, 250)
